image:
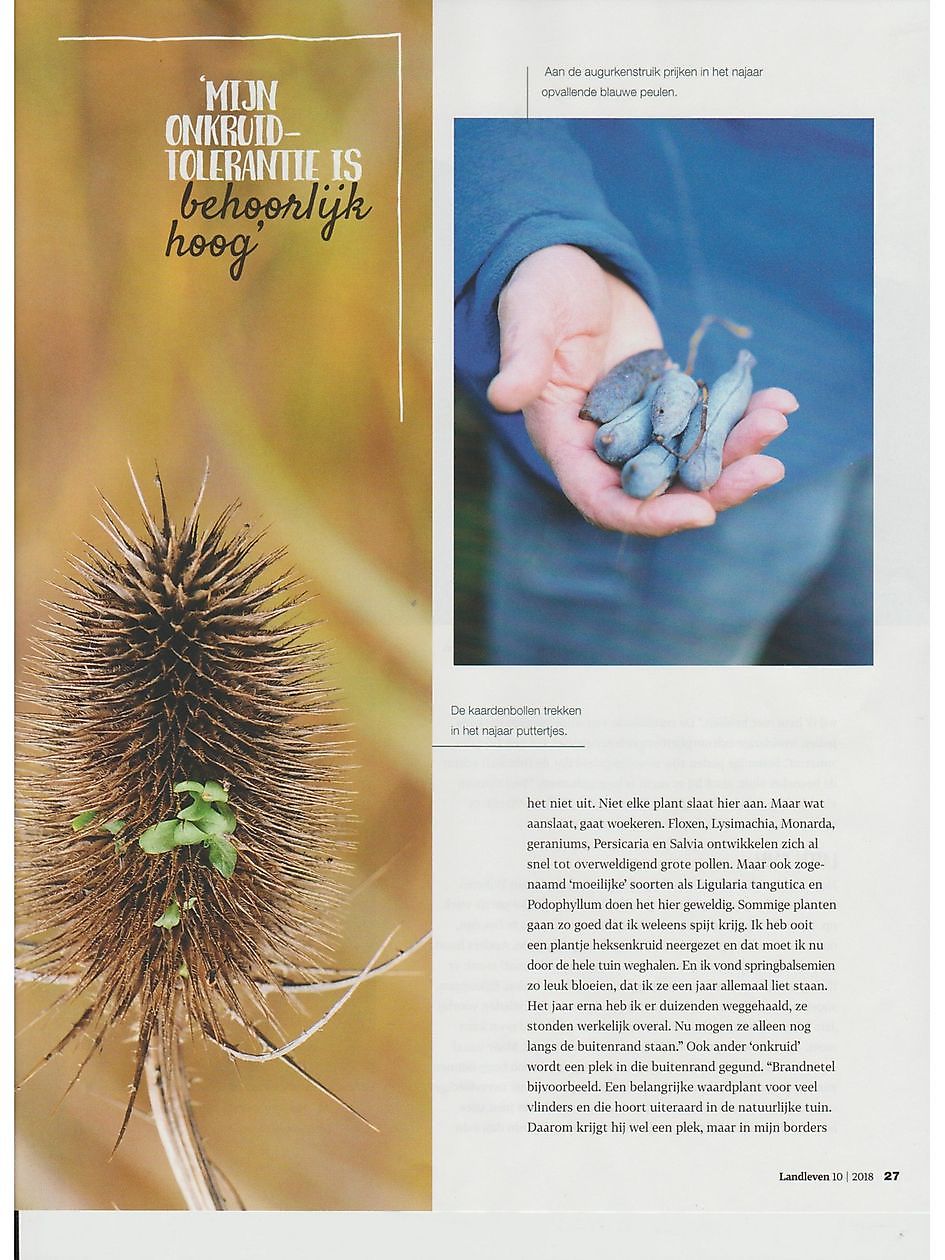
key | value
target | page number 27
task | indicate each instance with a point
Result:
(891, 1176)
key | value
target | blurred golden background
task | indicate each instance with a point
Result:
(288, 381)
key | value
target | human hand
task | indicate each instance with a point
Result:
(563, 323)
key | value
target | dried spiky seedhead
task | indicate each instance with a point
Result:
(170, 661)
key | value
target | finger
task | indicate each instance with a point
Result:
(672, 514)
(523, 374)
(528, 338)
(753, 433)
(743, 479)
(594, 489)
(779, 399)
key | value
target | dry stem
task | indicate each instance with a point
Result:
(174, 1117)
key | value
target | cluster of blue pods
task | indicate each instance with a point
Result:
(658, 424)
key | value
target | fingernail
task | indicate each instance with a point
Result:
(769, 484)
(783, 429)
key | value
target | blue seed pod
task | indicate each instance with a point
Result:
(690, 435)
(623, 385)
(650, 472)
(673, 399)
(728, 398)
(626, 435)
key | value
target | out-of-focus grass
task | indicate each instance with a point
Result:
(287, 381)
(471, 533)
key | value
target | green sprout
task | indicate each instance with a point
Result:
(114, 827)
(82, 820)
(207, 820)
(171, 916)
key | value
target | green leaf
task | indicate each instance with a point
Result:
(222, 855)
(183, 971)
(218, 822)
(215, 792)
(189, 903)
(160, 838)
(228, 816)
(190, 785)
(188, 833)
(195, 811)
(212, 825)
(83, 819)
(113, 827)
(170, 918)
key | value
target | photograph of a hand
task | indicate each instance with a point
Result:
(628, 490)
(563, 322)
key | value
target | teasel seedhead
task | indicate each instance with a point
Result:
(172, 681)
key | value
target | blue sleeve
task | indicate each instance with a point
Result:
(520, 188)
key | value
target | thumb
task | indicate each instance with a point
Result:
(527, 346)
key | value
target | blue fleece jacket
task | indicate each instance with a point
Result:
(766, 221)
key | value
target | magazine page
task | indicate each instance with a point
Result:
(223, 343)
(679, 732)
(472, 636)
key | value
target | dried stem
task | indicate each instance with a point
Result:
(278, 1052)
(176, 1126)
(347, 978)
(737, 330)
